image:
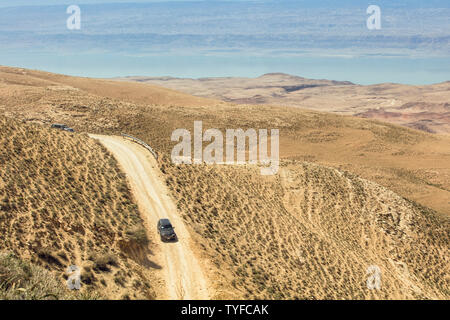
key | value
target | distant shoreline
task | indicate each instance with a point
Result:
(362, 71)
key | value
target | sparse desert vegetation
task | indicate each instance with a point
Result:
(310, 232)
(64, 201)
(22, 280)
(374, 150)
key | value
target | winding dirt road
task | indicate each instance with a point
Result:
(182, 273)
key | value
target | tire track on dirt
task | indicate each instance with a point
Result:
(182, 273)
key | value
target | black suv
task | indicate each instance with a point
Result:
(166, 231)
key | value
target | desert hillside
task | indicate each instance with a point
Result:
(64, 201)
(311, 233)
(22, 280)
(424, 108)
(411, 163)
(133, 92)
(351, 192)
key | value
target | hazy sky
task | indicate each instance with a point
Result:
(311, 38)
(13, 3)
(306, 3)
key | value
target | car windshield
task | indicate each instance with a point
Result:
(166, 226)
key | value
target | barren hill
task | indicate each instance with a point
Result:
(133, 92)
(64, 201)
(311, 233)
(351, 193)
(425, 108)
(409, 162)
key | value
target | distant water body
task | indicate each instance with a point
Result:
(360, 70)
(196, 39)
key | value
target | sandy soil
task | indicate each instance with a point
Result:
(184, 278)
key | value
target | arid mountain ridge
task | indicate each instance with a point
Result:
(350, 193)
(425, 108)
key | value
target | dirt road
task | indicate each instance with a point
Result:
(181, 270)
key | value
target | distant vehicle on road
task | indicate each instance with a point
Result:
(62, 127)
(165, 230)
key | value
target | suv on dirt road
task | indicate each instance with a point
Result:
(166, 231)
(62, 127)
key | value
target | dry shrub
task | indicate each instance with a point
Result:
(62, 198)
